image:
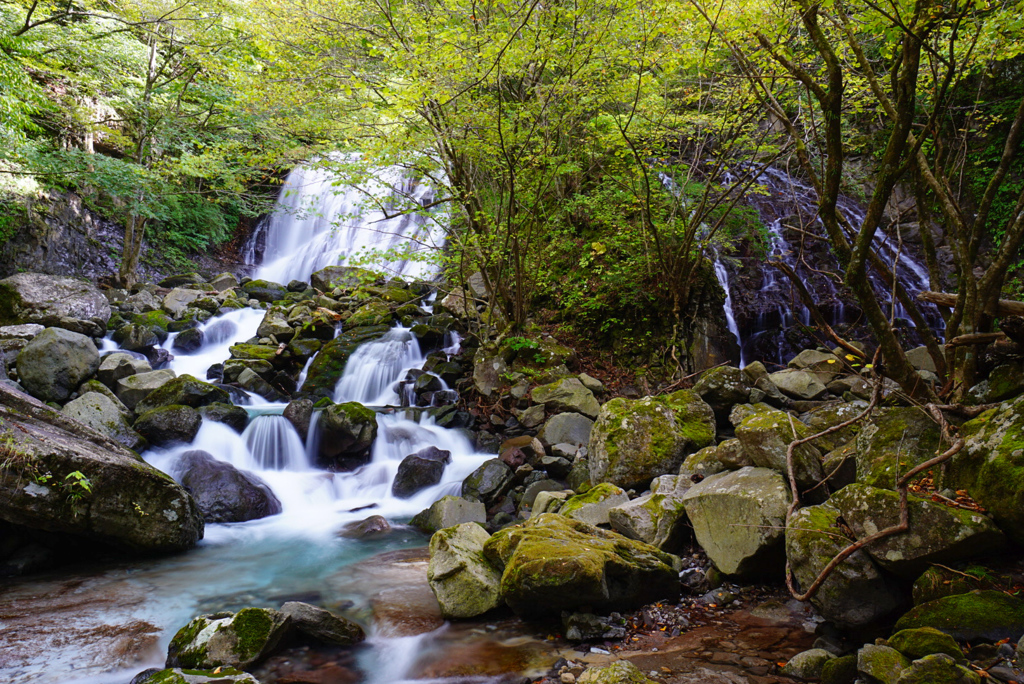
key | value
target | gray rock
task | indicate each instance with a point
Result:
(299, 413)
(593, 507)
(136, 337)
(345, 277)
(225, 281)
(703, 463)
(56, 362)
(488, 483)
(722, 388)
(739, 520)
(590, 627)
(420, 470)
(235, 417)
(881, 664)
(566, 428)
(374, 527)
(103, 415)
(322, 625)
(807, 664)
(893, 442)
(21, 332)
(53, 301)
(188, 341)
(184, 390)
(449, 511)
(169, 425)
(236, 640)
(176, 675)
(100, 388)
(567, 395)
(591, 383)
(142, 301)
(178, 299)
(920, 359)
(115, 366)
(489, 368)
(658, 518)
(533, 416)
(134, 388)
(765, 434)
(347, 433)
(224, 493)
(798, 384)
(465, 583)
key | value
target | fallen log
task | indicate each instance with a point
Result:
(975, 338)
(1005, 307)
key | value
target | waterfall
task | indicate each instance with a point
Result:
(376, 367)
(730, 317)
(320, 222)
(274, 444)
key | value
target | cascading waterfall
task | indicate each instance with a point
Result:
(274, 444)
(373, 370)
(319, 223)
(730, 316)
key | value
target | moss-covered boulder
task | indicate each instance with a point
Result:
(807, 664)
(115, 498)
(856, 593)
(177, 300)
(322, 626)
(991, 465)
(798, 384)
(176, 675)
(703, 463)
(987, 615)
(275, 323)
(53, 301)
(893, 442)
(329, 364)
(264, 291)
(100, 413)
(374, 312)
(938, 668)
(173, 424)
(722, 388)
(619, 672)
(825, 417)
(658, 518)
(464, 581)
(489, 482)
(566, 395)
(344, 277)
(593, 506)
(937, 534)
(235, 417)
(634, 441)
(254, 352)
(134, 388)
(917, 643)
(938, 582)
(237, 640)
(118, 365)
(449, 511)
(136, 337)
(552, 563)
(739, 520)
(347, 433)
(881, 664)
(184, 390)
(842, 670)
(765, 433)
(55, 362)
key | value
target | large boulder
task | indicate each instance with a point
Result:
(177, 300)
(893, 442)
(722, 388)
(986, 615)
(798, 384)
(991, 465)
(184, 390)
(323, 626)
(592, 507)
(134, 388)
(115, 498)
(938, 668)
(765, 433)
(566, 428)
(856, 593)
(449, 511)
(224, 493)
(464, 581)
(119, 365)
(345, 277)
(937, 534)
(238, 640)
(104, 416)
(172, 424)
(329, 364)
(658, 518)
(739, 520)
(264, 291)
(347, 433)
(53, 301)
(551, 563)
(567, 395)
(634, 441)
(489, 482)
(56, 362)
(420, 470)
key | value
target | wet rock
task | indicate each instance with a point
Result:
(299, 412)
(53, 301)
(128, 503)
(224, 493)
(765, 434)
(134, 388)
(322, 625)
(917, 643)
(857, 593)
(275, 323)
(345, 277)
(348, 431)
(420, 470)
(488, 483)
(552, 563)
(635, 441)
(184, 390)
(264, 291)
(896, 440)
(103, 415)
(465, 583)
(566, 428)
(593, 506)
(136, 337)
(223, 675)
(188, 341)
(807, 664)
(177, 300)
(169, 425)
(619, 672)
(937, 534)
(739, 518)
(881, 664)
(449, 511)
(373, 527)
(567, 395)
(234, 417)
(237, 640)
(56, 362)
(329, 364)
(987, 615)
(590, 627)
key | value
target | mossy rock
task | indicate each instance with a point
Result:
(842, 670)
(173, 424)
(184, 390)
(552, 563)
(153, 319)
(223, 675)
(881, 664)
(348, 431)
(985, 615)
(237, 640)
(895, 441)
(235, 417)
(329, 365)
(922, 641)
(633, 442)
(826, 417)
(464, 581)
(619, 672)
(374, 312)
(938, 668)
(935, 582)
(264, 291)
(765, 434)
(991, 465)
(593, 506)
(344, 277)
(1005, 382)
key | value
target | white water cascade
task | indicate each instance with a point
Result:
(319, 222)
(730, 316)
(375, 368)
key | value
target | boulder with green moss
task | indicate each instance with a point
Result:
(184, 390)
(938, 668)
(807, 664)
(489, 482)
(703, 463)
(593, 506)
(237, 640)
(136, 337)
(374, 312)
(856, 593)
(881, 664)
(177, 300)
(739, 520)
(893, 442)
(765, 434)
(937, 533)
(658, 518)
(347, 433)
(988, 615)
(173, 424)
(100, 413)
(464, 581)
(722, 388)
(566, 395)
(842, 670)
(275, 322)
(264, 291)
(991, 465)
(552, 563)
(119, 365)
(922, 641)
(329, 365)
(176, 675)
(345, 277)
(134, 388)
(619, 672)
(634, 441)
(55, 301)
(936, 582)
(829, 416)
(55, 362)
(235, 417)
(449, 511)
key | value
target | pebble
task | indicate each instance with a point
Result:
(568, 678)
